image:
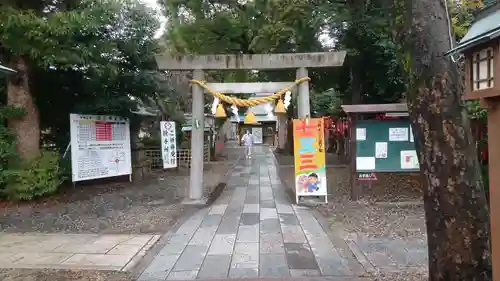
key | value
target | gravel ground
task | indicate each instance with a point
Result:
(150, 206)
(377, 215)
(61, 275)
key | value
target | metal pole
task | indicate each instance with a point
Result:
(197, 139)
(304, 109)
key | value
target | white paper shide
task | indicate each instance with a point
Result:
(168, 144)
(100, 147)
(398, 134)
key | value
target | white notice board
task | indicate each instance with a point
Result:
(100, 147)
(168, 144)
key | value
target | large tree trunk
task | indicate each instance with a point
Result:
(457, 216)
(27, 127)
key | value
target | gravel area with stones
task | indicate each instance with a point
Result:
(61, 275)
(392, 209)
(150, 206)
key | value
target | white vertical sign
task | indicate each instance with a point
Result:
(168, 144)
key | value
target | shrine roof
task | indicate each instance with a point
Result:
(375, 108)
(485, 27)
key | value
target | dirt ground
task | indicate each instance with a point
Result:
(148, 206)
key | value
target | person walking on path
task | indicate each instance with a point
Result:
(247, 141)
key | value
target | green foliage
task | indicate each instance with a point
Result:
(475, 111)
(24, 182)
(40, 177)
(7, 145)
(87, 57)
(327, 103)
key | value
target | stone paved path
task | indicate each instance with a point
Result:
(252, 230)
(74, 251)
(390, 255)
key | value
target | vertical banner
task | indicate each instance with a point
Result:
(309, 157)
(168, 144)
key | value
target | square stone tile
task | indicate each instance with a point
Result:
(271, 248)
(273, 265)
(251, 208)
(40, 258)
(6, 258)
(97, 260)
(304, 272)
(270, 226)
(300, 256)
(215, 267)
(211, 221)
(269, 204)
(252, 199)
(72, 248)
(120, 238)
(333, 267)
(248, 234)
(203, 236)
(183, 275)
(222, 244)
(243, 272)
(139, 240)
(218, 209)
(159, 268)
(134, 261)
(293, 234)
(191, 258)
(288, 220)
(246, 255)
(249, 219)
(125, 249)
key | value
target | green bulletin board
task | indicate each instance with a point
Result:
(385, 146)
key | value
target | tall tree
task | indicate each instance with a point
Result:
(86, 56)
(457, 216)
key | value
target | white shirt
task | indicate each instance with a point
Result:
(247, 139)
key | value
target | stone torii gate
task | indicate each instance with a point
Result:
(299, 61)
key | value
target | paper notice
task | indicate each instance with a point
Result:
(360, 134)
(365, 163)
(411, 135)
(380, 150)
(398, 134)
(409, 159)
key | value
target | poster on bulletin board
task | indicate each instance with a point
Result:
(100, 147)
(309, 158)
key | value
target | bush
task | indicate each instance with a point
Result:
(40, 177)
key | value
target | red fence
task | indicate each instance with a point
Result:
(337, 131)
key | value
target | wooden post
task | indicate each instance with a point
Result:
(493, 105)
(356, 190)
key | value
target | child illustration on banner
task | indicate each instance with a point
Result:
(309, 157)
(309, 183)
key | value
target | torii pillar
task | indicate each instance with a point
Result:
(299, 61)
